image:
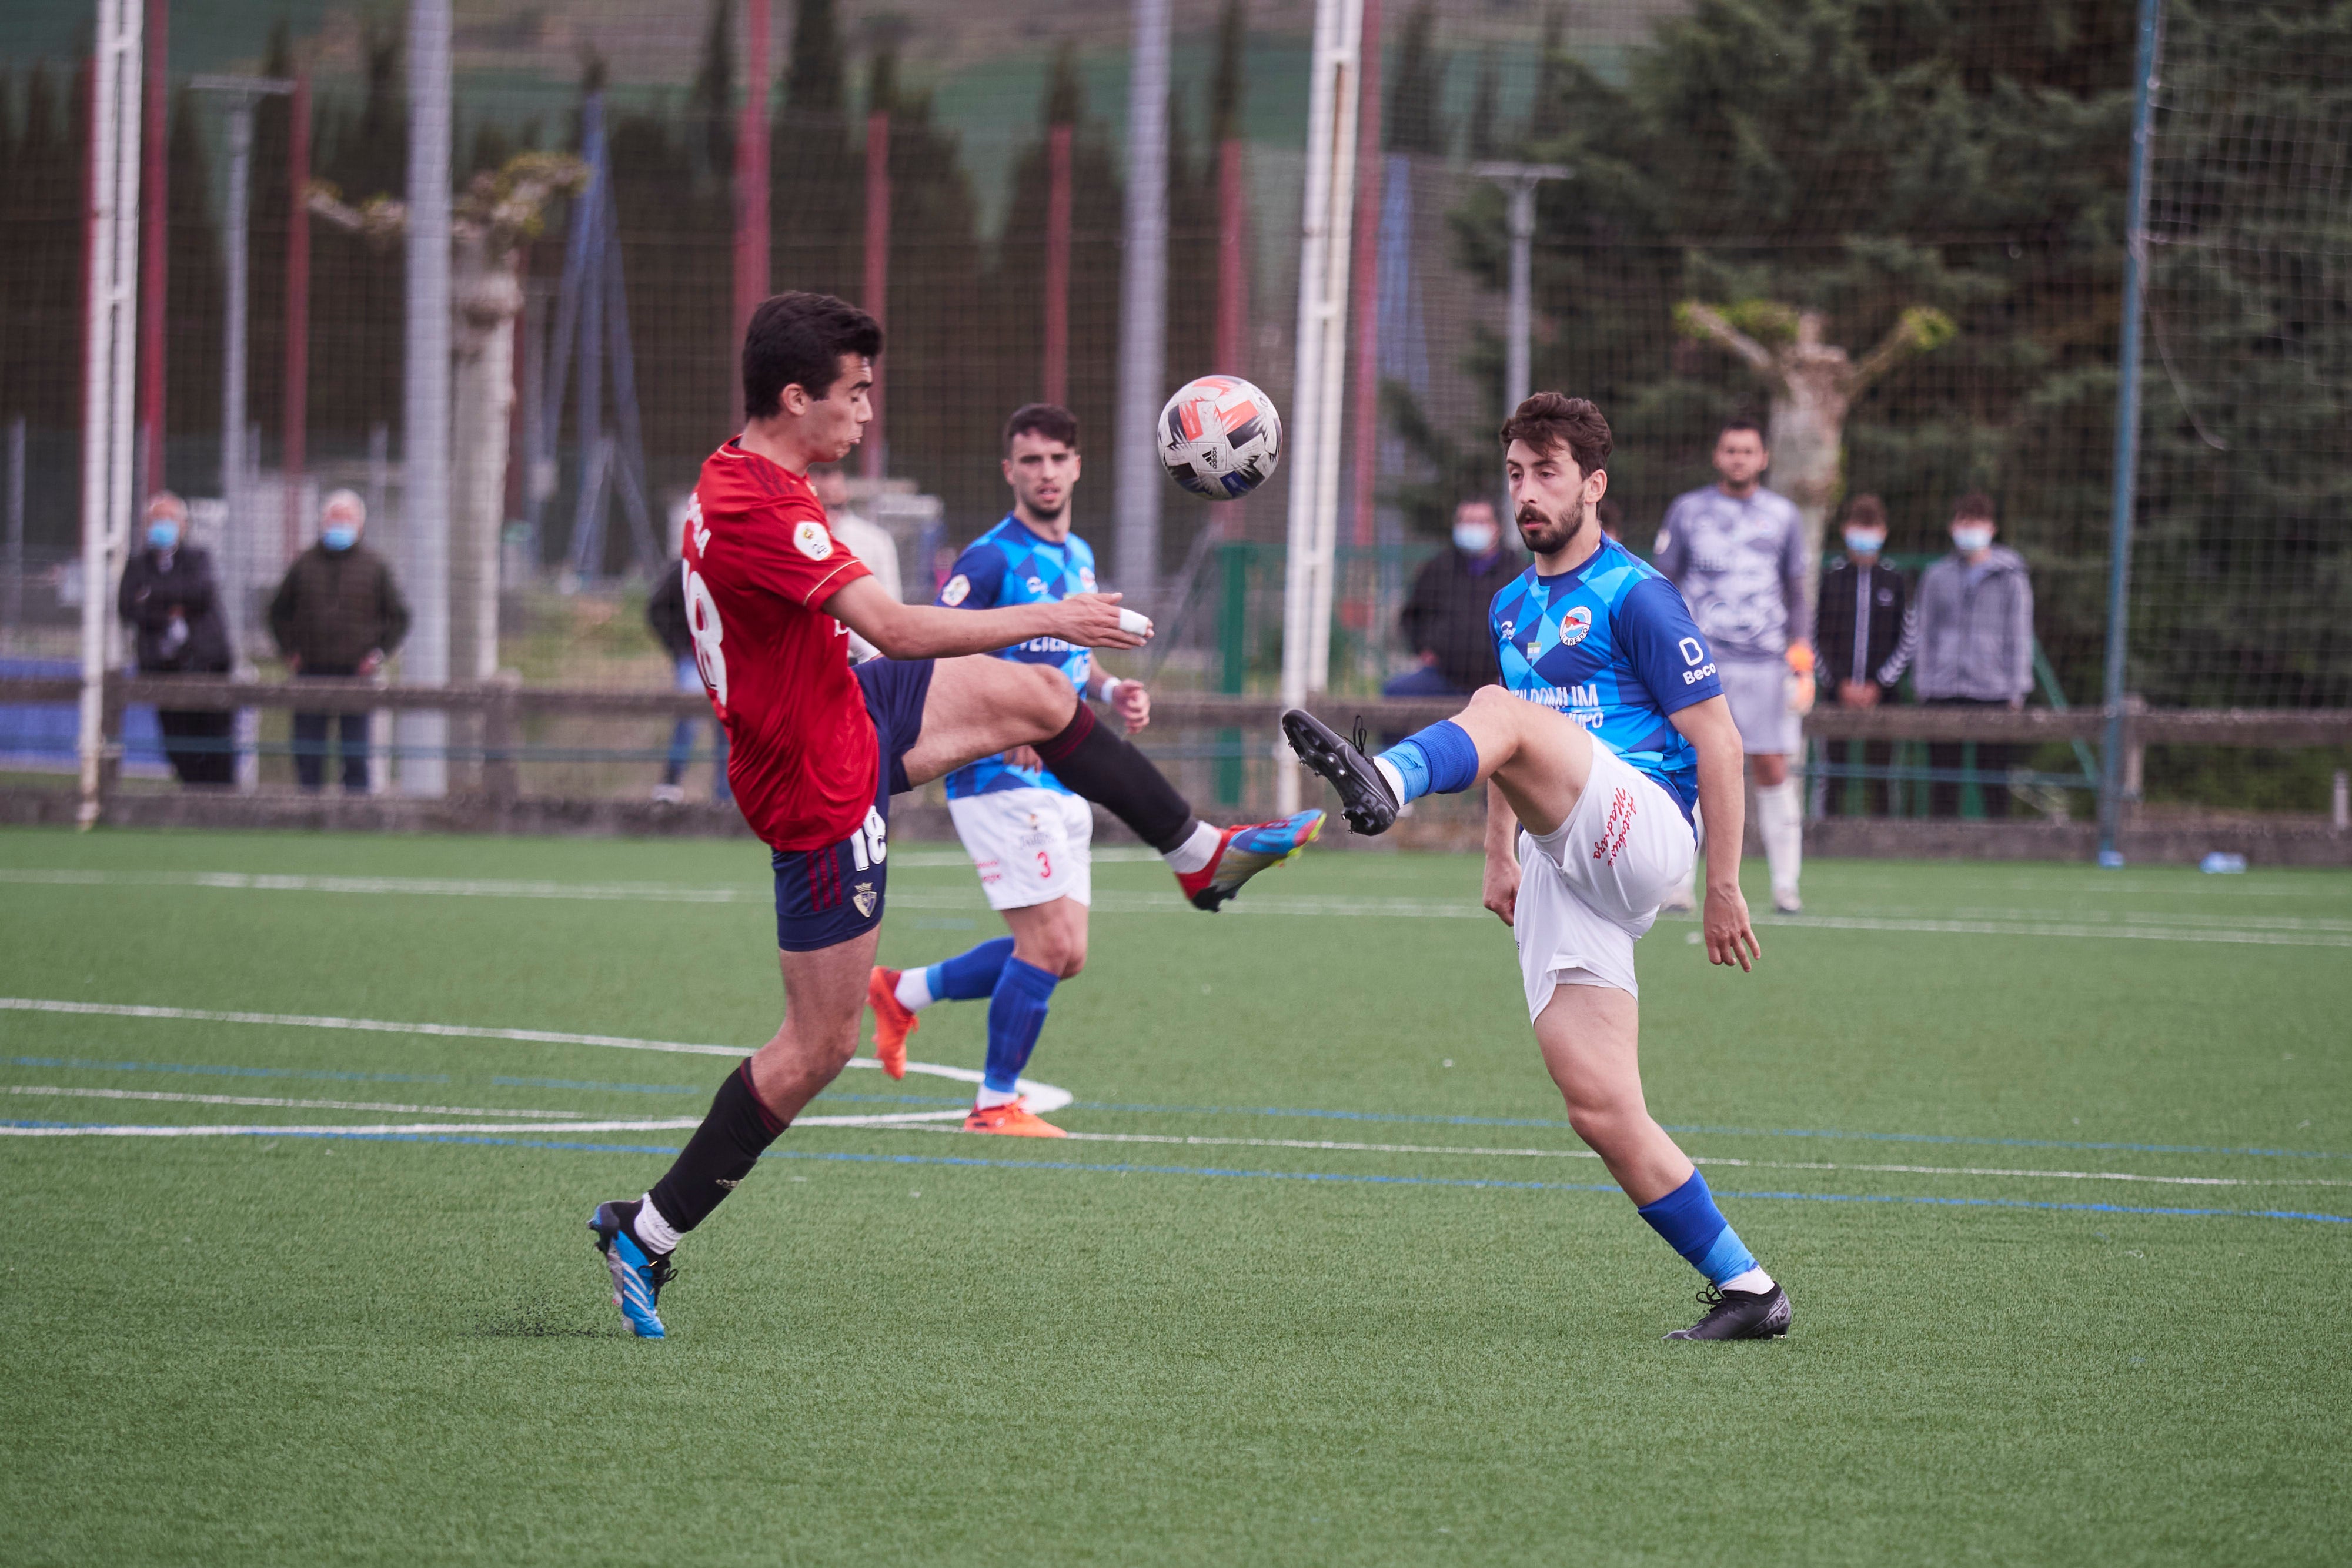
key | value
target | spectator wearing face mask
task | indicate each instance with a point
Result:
(338, 613)
(1857, 628)
(1445, 616)
(1969, 642)
(169, 600)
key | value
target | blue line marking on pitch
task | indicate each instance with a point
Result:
(684, 1089)
(582, 1083)
(1726, 1132)
(1336, 1177)
(84, 1065)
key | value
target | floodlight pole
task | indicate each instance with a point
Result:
(108, 364)
(1143, 302)
(1519, 182)
(424, 738)
(1317, 384)
(2119, 527)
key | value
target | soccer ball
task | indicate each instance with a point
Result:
(1220, 437)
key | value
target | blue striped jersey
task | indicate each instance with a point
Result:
(1011, 565)
(1611, 645)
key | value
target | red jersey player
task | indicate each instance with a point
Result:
(816, 748)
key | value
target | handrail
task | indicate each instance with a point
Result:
(2281, 728)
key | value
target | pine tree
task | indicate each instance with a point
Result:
(358, 290)
(1794, 153)
(710, 104)
(816, 163)
(1414, 122)
(2245, 526)
(1098, 215)
(273, 204)
(933, 423)
(194, 312)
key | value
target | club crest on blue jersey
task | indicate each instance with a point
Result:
(1608, 645)
(1011, 565)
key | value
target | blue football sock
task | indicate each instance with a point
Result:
(1695, 1227)
(1015, 1013)
(968, 977)
(1439, 761)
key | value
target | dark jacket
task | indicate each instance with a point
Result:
(154, 584)
(666, 614)
(336, 607)
(1447, 614)
(1858, 624)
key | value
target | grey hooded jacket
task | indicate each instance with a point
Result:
(1965, 638)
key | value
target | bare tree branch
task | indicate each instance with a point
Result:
(1922, 329)
(1702, 320)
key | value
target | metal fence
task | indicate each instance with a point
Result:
(1899, 240)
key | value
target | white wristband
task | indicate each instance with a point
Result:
(1109, 688)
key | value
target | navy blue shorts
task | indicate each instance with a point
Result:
(824, 897)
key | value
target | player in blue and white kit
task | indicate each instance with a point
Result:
(1028, 835)
(1610, 726)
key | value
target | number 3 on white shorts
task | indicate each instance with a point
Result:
(702, 620)
(870, 846)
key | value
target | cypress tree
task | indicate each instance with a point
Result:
(817, 164)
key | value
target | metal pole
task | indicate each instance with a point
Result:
(16, 567)
(1330, 194)
(238, 546)
(154, 268)
(873, 453)
(2111, 780)
(751, 180)
(294, 421)
(425, 405)
(1365, 415)
(1143, 301)
(1056, 376)
(1522, 321)
(1519, 182)
(108, 364)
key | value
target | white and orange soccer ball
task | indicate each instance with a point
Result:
(1220, 437)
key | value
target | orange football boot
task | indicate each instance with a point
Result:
(892, 1023)
(1014, 1118)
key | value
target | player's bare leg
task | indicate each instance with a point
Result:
(980, 706)
(1590, 1038)
(825, 994)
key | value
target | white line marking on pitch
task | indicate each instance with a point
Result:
(1113, 902)
(1041, 1096)
(1325, 1145)
(298, 1104)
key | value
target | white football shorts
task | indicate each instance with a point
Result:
(1758, 690)
(1590, 888)
(1029, 846)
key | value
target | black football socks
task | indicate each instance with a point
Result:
(716, 1159)
(1106, 768)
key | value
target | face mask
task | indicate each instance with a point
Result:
(1969, 538)
(1864, 541)
(339, 537)
(1474, 538)
(164, 534)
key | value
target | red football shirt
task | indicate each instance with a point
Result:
(800, 749)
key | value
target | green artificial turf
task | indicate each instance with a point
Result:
(912, 1347)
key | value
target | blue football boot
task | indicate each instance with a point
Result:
(637, 1279)
(1246, 850)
